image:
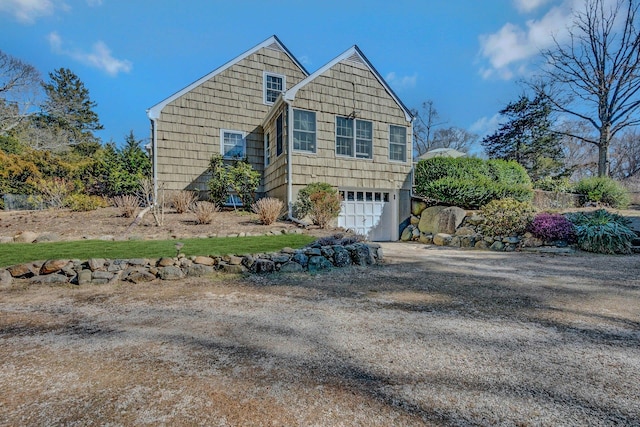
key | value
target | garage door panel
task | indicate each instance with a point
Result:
(368, 216)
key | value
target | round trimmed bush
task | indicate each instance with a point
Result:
(506, 217)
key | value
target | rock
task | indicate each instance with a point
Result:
(204, 260)
(360, 254)
(137, 261)
(5, 279)
(497, 246)
(49, 279)
(235, 260)
(248, 261)
(22, 271)
(467, 241)
(47, 237)
(474, 219)
(263, 266)
(455, 242)
(280, 258)
(414, 220)
(426, 239)
(53, 266)
(532, 242)
(313, 252)
(415, 234)
(198, 270)
(341, 256)
(511, 240)
(481, 245)
(140, 276)
(25, 237)
(407, 233)
(327, 251)
(288, 250)
(303, 260)
(102, 275)
(84, 277)
(6, 239)
(441, 219)
(442, 239)
(96, 264)
(170, 272)
(417, 207)
(185, 263)
(232, 269)
(165, 262)
(317, 263)
(291, 267)
(465, 231)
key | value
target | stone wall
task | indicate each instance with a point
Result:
(320, 255)
(552, 200)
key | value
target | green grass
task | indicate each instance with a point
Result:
(16, 253)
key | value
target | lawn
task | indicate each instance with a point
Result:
(15, 253)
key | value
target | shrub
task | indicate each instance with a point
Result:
(183, 200)
(268, 209)
(602, 232)
(603, 190)
(325, 206)
(506, 217)
(79, 202)
(204, 211)
(127, 204)
(302, 206)
(555, 184)
(471, 182)
(245, 181)
(550, 227)
(54, 191)
(219, 182)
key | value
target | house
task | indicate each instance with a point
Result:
(342, 125)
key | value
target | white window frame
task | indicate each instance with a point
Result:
(267, 150)
(354, 139)
(244, 144)
(404, 146)
(314, 132)
(265, 89)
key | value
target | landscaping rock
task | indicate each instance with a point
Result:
(22, 271)
(407, 233)
(441, 219)
(532, 242)
(482, 245)
(414, 220)
(5, 279)
(497, 246)
(204, 260)
(465, 231)
(442, 239)
(263, 266)
(234, 260)
(84, 277)
(317, 263)
(280, 258)
(303, 260)
(165, 262)
(47, 237)
(426, 239)
(140, 277)
(198, 270)
(474, 219)
(291, 267)
(25, 237)
(417, 207)
(170, 272)
(341, 256)
(53, 266)
(102, 275)
(248, 261)
(96, 264)
(232, 269)
(49, 279)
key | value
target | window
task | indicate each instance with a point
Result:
(354, 138)
(304, 130)
(267, 150)
(398, 143)
(274, 85)
(232, 144)
(279, 135)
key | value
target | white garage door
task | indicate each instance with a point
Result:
(368, 212)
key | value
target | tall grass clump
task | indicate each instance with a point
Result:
(126, 204)
(602, 232)
(268, 209)
(204, 211)
(183, 200)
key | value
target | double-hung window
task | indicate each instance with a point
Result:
(398, 143)
(304, 130)
(232, 144)
(267, 150)
(274, 85)
(354, 138)
(279, 135)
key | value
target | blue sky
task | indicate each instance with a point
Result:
(465, 55)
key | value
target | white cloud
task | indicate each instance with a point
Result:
(27, 11)
(529, 5)
(100, 56)
(508, 50)
(404, 82)
(486, 125)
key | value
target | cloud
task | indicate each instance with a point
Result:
(529, 5)
(27, 11)
(486, 125)
(404, 82)
(100, 56)
(506, 52)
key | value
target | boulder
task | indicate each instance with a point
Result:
(497, 246)
(84, 277)
(50, 279)
(481, 245)
(232, 269)
(139, 277)
(165, 262)
(426, 239)
(291, 267)
(532, 242)
(5, 279)
(47, 237)
(465, 231)
(53, 266)
(263, 266)
(341, 256)
(234, 260)
(170, 272)
(417, 207)
(442, 239)
(204, 260)
(302, 259)
(96, 264)
(280, 258)
(25, 237)
(22, 271)
(441, 219)
(407, 233)
(317, 263)
(198, 270)
(102, 275)
(414, 220)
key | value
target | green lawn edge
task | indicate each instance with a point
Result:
(19, 253)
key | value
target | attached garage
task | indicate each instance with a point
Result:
(370, 212)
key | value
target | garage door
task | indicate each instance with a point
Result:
(368, 212)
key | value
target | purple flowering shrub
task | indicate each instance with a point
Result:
(549, 227)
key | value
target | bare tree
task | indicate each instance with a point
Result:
(426, 119)
(581, 157)
(595, 76)
(625, 155)
(454, 137)
(19, 87)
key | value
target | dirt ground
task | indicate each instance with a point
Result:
(431, 337)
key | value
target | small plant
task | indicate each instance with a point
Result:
(205, 212)
(325, 206)
(602, 232)
(183, 200)
(219, 182)
(268, 209)
(79, 202)
(550, 227)
(302, 206)
(603, 190)
(506, 217)
(127, 204)
(54, 191)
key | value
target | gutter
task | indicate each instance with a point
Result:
(154, 152)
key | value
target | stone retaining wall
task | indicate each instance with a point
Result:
(315, 257)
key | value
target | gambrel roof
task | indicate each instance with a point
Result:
(353, 54)
(272, 42)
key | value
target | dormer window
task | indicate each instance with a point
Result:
(274, 85)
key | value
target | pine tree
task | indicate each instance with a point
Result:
(527, 138)
(68, 107)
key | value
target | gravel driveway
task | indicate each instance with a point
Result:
(432, 337)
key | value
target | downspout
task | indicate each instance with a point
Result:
(154, 155)
(290, 216)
